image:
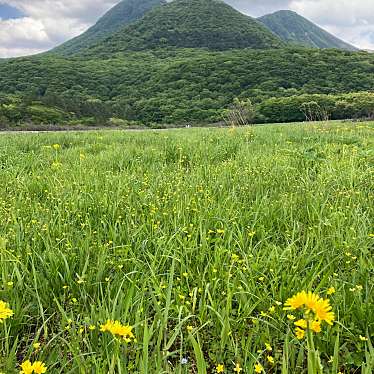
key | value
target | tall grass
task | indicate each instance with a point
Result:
(194, 237)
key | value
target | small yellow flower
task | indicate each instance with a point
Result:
(237, 368)
(5, 312)
(39, 367)
(331, 291)
(259, 368)
(363, 338)
(315, 326)
(301, 323)
(36, 345)
(268, 347)
(10, 284)
(56, 147)
(189, 328)
(27, 367)
(270, 359)
(92, 327)
(299, 333)
(220, 368)
(291, 317)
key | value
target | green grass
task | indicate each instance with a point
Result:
(206, 228)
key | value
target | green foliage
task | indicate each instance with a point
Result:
(207, 24)
(317, 107)
(161, 230)
(183, 86)
(293, 28)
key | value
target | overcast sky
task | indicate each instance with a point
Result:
(32, 26)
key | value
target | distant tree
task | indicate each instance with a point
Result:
(240, 113)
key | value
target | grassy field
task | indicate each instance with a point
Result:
(193, 240)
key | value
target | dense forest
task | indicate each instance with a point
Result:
(165, 83)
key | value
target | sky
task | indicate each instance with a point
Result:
(33, 26)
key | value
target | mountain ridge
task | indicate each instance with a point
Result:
(123, 13)
(291, 27)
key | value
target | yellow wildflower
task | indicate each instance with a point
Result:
(220, 368)
(116, 328)
(259, 368)
(36, 345)
(301, 323)
(363, 338)
(331, 291)
(315, 326)
(27, 367)
(237, 368)
(189, 328)
(300, 333)
(270, 359)
(39, 367)
(268, 347)
(5, 312)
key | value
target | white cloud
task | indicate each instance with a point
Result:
(48, 23)
(51, 22)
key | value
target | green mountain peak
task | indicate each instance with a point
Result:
(293, 28)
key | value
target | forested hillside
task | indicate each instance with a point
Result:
(178, 86)
(293, 28)
(207, 24)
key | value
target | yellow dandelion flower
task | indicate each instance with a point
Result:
(220, 368)
(331, 291)
(322, 309)
(296, 302)
(237, 368)
(315, 326)
(39, 367)
(5, 312)
(259, 368)
(300, 334)
(302, 323)
(291, 317)
(27, 367)
(117, 329)
(270, 359)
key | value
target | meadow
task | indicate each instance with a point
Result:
(179, 251)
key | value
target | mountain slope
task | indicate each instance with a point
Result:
(293, 28)
(122, 14)
(210, 24)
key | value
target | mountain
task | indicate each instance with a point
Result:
(122, 14)
(293, 28)
(209, 24)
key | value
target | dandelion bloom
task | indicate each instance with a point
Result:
(316, 310)
(117, 329)
(323, 311)
(301, 323)
(5, 312)
(315, 326)
(27, 367)
(299, 333)
(39, 367)
(258, 368)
